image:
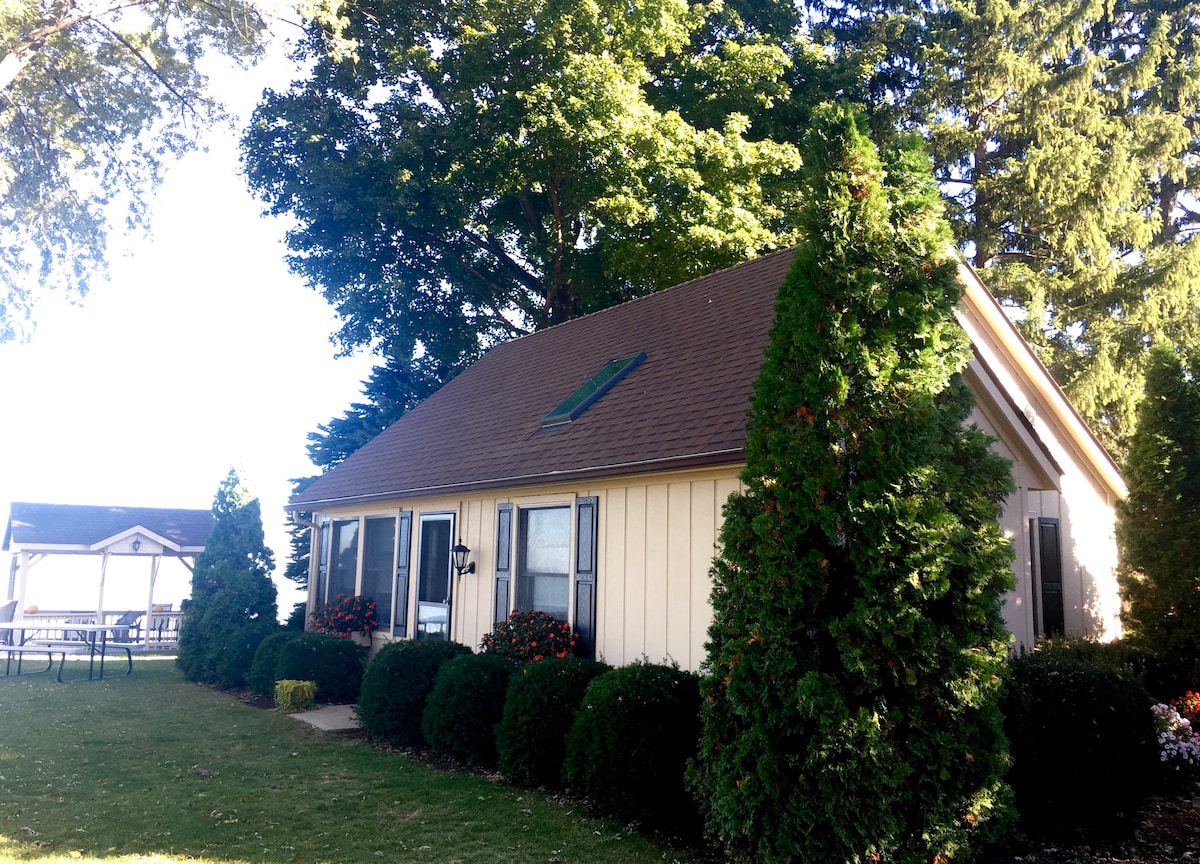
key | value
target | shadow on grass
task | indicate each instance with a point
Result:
(151, 767)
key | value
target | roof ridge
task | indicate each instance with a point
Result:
(670, 289)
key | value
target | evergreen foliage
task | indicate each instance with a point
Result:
(630, 742)
(1158, 523)
(465, 706)
(1084, 747)
(396, 684)
(336, 665)
(232, 605)
(262, 675)
(854, 658)
(531, 740)
(1065, 133)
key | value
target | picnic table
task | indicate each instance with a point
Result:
(76, 639)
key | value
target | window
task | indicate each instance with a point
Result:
(544, 560)
(595, 387)
(543, 565)
(343, 566)
(379, 545)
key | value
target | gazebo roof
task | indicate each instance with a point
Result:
(88, 529)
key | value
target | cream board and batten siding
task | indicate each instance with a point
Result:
(655, 542)
(1060, 472)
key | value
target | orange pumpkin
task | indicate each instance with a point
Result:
(158, 608)
(31, 609)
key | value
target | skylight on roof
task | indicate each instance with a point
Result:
(595, 387)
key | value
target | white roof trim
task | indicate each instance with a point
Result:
(980, 306)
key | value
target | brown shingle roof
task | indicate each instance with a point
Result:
(81, 525)
(684, 406)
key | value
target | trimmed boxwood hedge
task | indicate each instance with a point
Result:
(261, 678)
(629, 745)
(1083, 745)
(531, 740)
(396, 684)
(336, 665)
(465, 705)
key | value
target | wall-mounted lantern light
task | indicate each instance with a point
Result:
(460, 553)
(137, 544)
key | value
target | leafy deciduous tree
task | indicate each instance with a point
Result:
(95, 97)
(851, 679)
(482, 171)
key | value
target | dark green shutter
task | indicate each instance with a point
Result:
(585, 573)
(1047, 574)
(504, 515)
(323, 560)
(403, 554)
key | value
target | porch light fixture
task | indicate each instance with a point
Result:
(460, 553)
(137, 544)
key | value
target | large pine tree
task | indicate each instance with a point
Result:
(1157, 524)
(852, 663)
(1065, 133)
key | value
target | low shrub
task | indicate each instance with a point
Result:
(529, 636)
(531, 740)
(1119, 656)
(465, 705)
(294, 696)
(395, 686)
(1082, 740)
(261, 678)
(630, 742)
(335, 664)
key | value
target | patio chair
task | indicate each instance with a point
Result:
(130, 621)
(158, 623)
(7, 611)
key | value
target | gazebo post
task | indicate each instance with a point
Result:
(154, 562)
(100, 599)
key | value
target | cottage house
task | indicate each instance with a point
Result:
(582, 471)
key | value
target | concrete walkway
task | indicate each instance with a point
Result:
(337, 719)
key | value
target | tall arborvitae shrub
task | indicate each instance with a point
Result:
(232, 606)
(1157, 524)
(853, 664)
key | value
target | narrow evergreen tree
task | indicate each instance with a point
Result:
(851, 679)
(1157, 524)
(232, 606)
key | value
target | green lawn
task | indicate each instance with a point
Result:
(151, 768)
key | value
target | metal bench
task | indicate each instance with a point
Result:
(98, 649)
(20, 652)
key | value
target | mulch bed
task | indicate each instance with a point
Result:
(1167, 832)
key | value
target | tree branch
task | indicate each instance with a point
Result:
(64, 16)
(141, 58)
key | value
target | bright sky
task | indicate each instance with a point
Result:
(200, 353)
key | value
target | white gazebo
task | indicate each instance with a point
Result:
(36, 531)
